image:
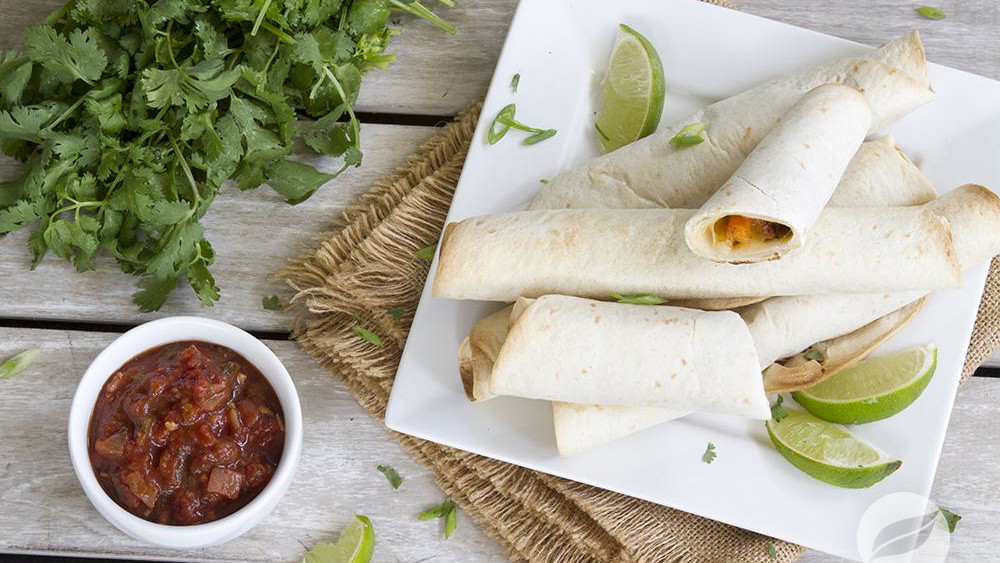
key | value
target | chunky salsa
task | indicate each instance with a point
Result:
(186, 433)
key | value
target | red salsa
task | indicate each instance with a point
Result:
(186, 433)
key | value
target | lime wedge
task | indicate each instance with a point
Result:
(829, 452)
(633, 91)
(356, 544)
(873, 389)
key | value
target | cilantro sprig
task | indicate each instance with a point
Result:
(129, 116)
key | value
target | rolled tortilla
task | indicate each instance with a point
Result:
(593, 252)
(592, 352)
(652, 173)
(768, 205)
(844, 328)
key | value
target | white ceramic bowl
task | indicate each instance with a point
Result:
(158, 333)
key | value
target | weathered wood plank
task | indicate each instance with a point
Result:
(253, 233)
(967, 39)
(434, 74)
(44, 509)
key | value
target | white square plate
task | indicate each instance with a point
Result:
(560, 50)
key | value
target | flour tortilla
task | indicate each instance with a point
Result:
(652, 173)
(843, 328)
(786, 181)
(593, 252)
(582, 351)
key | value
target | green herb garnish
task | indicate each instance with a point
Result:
(709, 455)
(363, 333)
(129, 116)
(271, 303)
(950, 518)
(544, 180)
(446, 510)
(931, 13)
(771, 551)
(505, 121)
(515, 81)
(396, 313)
(638, 299)
(778, 412)
(427, 252)
(18, 363)
(391, 475)
(689, 136)
(814, 355)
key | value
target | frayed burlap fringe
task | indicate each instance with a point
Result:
(364, 267)
(986, 333)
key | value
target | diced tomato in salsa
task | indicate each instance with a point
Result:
(186, 433)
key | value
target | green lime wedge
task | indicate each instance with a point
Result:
(633, 91)
(829, 452)
(356, 544)
(873, 389)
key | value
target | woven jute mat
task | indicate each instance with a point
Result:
(365, 266)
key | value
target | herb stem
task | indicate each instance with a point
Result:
(66, 113)
(188, 174)
(417, 9)
(355, 124)
(281, 35)
(260, 18)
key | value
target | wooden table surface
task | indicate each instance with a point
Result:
(71, 317)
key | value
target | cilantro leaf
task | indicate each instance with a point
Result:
(709, 455)
(778, 412)
(79, 57)
(396, 313)
(271, 303)
(771, 551)
(391, 475)
(427, 252)
(296, 181)
(153, 293)
(950, 518)
(19, 215)
(194, 87)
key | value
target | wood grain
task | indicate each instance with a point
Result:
(253, 233)
(44, 508)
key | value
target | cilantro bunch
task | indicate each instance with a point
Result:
(129, 115)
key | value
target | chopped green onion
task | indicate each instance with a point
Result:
(689, 136)
(639, 299)
(367, 335)
(515, 81)
(18, 363)
(931, 13)
(391, 475)
(540, 136)
(427, 252)
(505, 118)
(544, 180)
(771, 551)
(446, 510)
(601, 132)
(493, 135)
(778, 412)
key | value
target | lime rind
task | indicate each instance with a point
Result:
(355, 545)
(847, 461)
(868, 406)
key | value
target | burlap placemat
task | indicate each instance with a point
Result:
(366, 267)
